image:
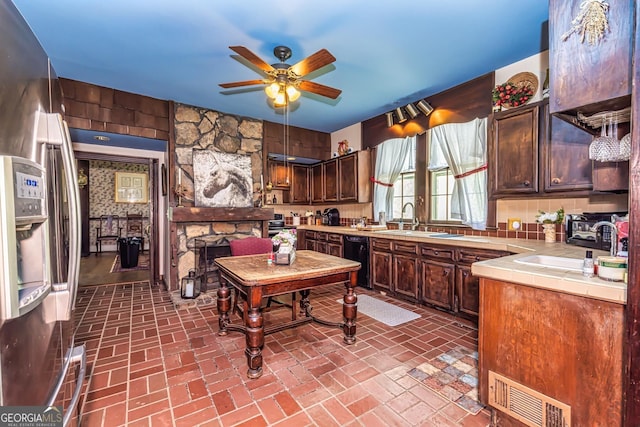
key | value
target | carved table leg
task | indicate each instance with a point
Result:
(304, 303)
(254, 333)
(350, 310)
(224, 304)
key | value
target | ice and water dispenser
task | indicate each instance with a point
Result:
(24, 246)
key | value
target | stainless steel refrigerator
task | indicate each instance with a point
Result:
(40, 365)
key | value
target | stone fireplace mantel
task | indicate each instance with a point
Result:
(195, 214)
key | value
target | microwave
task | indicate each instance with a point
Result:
(578, 230)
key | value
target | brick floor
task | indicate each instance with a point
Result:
(152, 365)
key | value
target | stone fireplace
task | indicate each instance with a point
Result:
(194, 226)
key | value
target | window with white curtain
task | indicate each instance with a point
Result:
(394, 176)
(460, 149)
(441, 193)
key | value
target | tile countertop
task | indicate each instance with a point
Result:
(505, 268)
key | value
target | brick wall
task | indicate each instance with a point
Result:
(102, 109)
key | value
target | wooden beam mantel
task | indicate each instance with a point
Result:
(193, 214)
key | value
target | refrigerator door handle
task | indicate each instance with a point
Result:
(78, 354)
(55, 132)
(71, 173)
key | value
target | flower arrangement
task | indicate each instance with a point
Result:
(285, 237)
(551, 217)
(511, 95)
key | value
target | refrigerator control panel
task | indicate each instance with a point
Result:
(29, 195)
(29, 192)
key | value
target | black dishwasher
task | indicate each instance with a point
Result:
(356, 248)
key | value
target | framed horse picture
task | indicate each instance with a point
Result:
(222, 179)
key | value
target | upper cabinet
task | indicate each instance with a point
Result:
(534, 152)
(342, 179)
(353, 177)
(564, 155)
(513, 152)
(588, 77)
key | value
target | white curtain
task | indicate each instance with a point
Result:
(463, 148)
(390, 160)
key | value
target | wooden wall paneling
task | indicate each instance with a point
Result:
(632, 332)
(459, 104)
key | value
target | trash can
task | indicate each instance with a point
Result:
(129, 248)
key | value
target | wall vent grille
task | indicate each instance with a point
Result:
(524, 404)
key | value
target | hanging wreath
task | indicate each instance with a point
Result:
(591, 23)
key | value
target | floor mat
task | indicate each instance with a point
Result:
(453, 375)
(143, 264)
(384, 312)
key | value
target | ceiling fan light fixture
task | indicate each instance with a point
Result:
(424, 107)
(400, 114)
(292, 93)
(411, 110)
(272, 90)
(389, 118)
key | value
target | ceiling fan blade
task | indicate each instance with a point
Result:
(244, 83)
(313, 62)
(251, 57)
(319, 89)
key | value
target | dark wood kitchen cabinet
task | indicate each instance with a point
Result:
(353, 177)
(405, 269)
(330, 172)
(299, 184)
(321, 241)
(513, 151)
(279, 174)
(437, 273)
(324, 182)
(317, 183)
(468, 285)
(334, 244)
(381, 264)
(309, 240)
(565, 160)
(590, 77)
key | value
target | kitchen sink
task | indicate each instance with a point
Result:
(556, 262)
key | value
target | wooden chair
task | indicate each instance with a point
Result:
(135, 228)
(253, 246)
(108, 229)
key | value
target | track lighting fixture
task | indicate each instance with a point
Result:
(411, 110)
(389, 119)
(400, 114)
(424, 107)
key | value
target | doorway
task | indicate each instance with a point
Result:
(101, 209)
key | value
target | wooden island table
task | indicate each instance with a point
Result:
(255, 279)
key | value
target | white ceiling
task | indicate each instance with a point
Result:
(388, 53)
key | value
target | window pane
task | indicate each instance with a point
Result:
(439, 208)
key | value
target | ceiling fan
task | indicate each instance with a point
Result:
(285, 80)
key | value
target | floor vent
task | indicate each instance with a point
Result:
(527, 405)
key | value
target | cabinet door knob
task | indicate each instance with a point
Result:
(556, 181)
(435, 252)
(526, 183)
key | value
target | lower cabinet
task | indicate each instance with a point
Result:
(381, 263)
(439, 276)
(405, 269)
(327, 243)
(467, 285)
(437, 273)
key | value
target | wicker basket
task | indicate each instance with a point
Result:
(525, 79)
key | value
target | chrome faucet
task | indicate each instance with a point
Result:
(614, 234)
(414, 221)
